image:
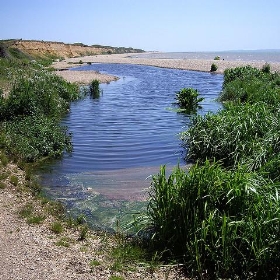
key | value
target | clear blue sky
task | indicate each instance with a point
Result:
(162, 25)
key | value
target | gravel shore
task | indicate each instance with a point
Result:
(31, 251)
(203, 65)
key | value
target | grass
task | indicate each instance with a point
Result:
(64, 242)
(216, 220)
(221, 218)
(14, 180)
(57, 227)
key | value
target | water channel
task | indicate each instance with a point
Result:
(121, 139)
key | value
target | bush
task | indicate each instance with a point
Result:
(42, 93)
(30, 139)
(250, 85)
(187, 99)
(94, 89)
(266, 68)
(222, 222)
(214, 68)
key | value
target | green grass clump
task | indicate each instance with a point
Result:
(14, 180)
(57, 227)
(64, 242)
(216, 220)
(36, 219)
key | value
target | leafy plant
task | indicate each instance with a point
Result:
(188, 99)
(64, 241)
(83, 232)
(240, 134)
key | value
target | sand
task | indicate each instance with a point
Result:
(203, 65)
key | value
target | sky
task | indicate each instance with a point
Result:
(152, 25)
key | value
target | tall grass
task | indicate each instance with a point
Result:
(218, 222)
(222, 217)
(245, 134)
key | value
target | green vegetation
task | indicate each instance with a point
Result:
(29, 115)
(57, 227)
(214, 67)
(221, 218)
(14, 180)
(217, 57)
(188, 99)
(94, 89)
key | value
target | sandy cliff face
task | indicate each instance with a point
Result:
(57, 49)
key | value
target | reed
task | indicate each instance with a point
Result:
(215, 220)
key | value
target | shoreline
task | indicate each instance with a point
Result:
(201, 65)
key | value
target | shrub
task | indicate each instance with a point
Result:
(94, 89)
(41, 93)
(266, 68)
(217, 57)
(187, 99)
(222, 222)
(214, 68)
(247, 84)
(243, 73)
(30, 139)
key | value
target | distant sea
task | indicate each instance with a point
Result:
(254, 55)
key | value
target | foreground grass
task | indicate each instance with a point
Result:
(222, 218)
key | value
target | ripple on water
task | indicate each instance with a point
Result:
(123, 137)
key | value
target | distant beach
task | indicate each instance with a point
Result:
(196, 61)
(269, 56)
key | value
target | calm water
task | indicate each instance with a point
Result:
(258, 55)
(122, 138)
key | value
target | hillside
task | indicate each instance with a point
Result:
(31, 48)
